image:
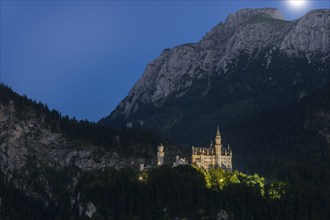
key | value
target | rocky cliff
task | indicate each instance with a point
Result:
(30, 152)
(22, 140)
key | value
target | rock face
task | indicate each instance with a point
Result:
(309, 35)
(30, 153)
(252, 51)
(22, 141)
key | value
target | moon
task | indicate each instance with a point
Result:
(297, 4)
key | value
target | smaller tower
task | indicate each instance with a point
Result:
(160, 155)
(141, 166)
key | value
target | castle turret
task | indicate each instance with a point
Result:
(160, 155)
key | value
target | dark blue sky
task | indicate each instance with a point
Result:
(83, 57)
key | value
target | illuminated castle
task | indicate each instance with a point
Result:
(213, 156)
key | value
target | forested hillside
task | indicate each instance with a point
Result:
(126, 142)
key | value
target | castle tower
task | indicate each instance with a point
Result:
(160, 155)
(218, 147)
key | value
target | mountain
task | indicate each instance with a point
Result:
(264, 80)
(254, 60)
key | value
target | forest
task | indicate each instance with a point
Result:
(166, 193)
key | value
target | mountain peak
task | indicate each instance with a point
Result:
(310, 34)
(244, 14)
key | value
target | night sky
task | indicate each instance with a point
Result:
(83, 57)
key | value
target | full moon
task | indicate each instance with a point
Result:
(297, 4)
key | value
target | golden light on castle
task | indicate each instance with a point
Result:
(213, 156)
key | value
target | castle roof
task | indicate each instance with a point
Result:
(218, 132)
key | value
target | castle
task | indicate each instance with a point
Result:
(205, 157)
(213, 156)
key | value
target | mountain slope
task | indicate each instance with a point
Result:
(32, 128)
(43, 154)
(253, 60)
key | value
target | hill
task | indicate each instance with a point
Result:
(42, 153)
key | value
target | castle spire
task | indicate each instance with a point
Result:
(218, 137)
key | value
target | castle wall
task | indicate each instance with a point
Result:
(226, 162)
(205, 161)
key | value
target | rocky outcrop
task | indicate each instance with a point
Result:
(308, 35)
(28, 150)
(22, 140)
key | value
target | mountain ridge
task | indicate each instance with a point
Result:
(260, 46)
(176, 68)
